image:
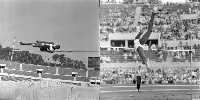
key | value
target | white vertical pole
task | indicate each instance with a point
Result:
(40, 75)
(86, 73)
(56, 70)
(12, 53)
(75, 78)
(95, 80)
(13, 48)
(1, 70)
(20, 67)
(126, 43)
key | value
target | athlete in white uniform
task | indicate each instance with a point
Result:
(139, 42)
(51, 48)
(44, 46)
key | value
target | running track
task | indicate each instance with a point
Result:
(150, 92)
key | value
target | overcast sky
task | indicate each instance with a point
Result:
(73, 24)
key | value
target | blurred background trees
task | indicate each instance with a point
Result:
(36, 59)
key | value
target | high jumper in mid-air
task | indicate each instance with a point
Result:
(49, 47)
(44, 46)
(140, 41)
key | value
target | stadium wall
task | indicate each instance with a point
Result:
(152, 64)
(129, 36)
(49, 71)
(124, 36)
(175, 43)
(105, 44)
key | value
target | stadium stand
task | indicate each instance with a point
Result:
(50, 70)
(27, 67)
(64, 71)
(160, 76)
(117, 18)
(83, 79)
(175, 28)
(93, 73)
(170, 25)
(25, 73)
(82, 73)
(29, 70)
(15, 66)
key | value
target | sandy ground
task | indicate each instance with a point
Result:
(20, 91)
(150, 92)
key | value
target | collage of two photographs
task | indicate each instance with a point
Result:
(99, 49)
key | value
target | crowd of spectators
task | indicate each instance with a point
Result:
(111, 1)
(170, 24)
(130, 1)
(159, 76)
(118, 20)
(155, 54)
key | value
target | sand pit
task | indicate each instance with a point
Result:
(80, 93)
(31, 91)
(62, 92)
(10, 90)
(49, 93)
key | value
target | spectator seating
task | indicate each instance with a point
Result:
(48, 72)
(27, 67)
(5, 62)
(34, 74)
(112, 15)
(51, 70)
(159, 76)
(64, 71)
(15, 66)
(152, 55)
(58, 77)
(93, 73)
(118, 56)
(83, 79)
(82, 73)
(6, 70)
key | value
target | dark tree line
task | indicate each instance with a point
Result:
(66, 62)
(36, 59)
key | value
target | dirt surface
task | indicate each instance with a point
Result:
(10, 90)
(150, 92)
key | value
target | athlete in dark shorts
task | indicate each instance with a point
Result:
(138, 77)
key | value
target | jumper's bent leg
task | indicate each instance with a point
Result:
(144, 58)
(146, 36)
(21, 43)
(142, 55)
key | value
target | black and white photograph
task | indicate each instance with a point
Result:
(149, 49)
(49, 50)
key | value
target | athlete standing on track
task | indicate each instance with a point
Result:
(138, 73)
(138, 77)
(140, 41)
